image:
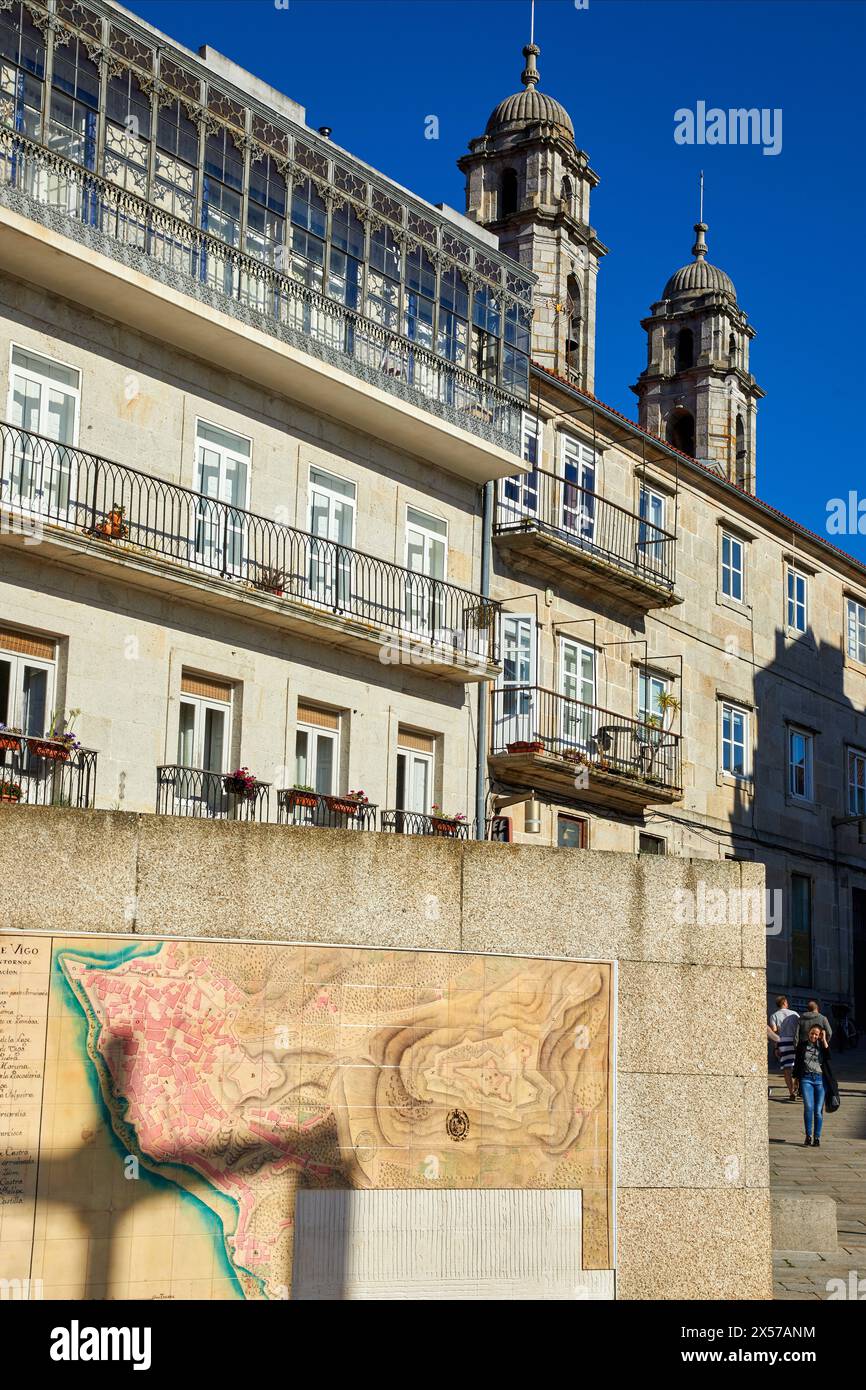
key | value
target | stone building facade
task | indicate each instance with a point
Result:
(283, 491)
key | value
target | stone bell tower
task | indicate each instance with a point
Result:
(527, 182)
(697, 391)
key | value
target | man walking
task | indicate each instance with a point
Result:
(813, 1018)
(785, 1024)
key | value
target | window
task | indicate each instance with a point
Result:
(486, 327)
(176, 134)
(685, 350)
(332, 523)
(515, 349)
(856, 630)
(681, 432)
(347, 256)
(515, 702)
(420, 298)
(856, 782)
(572, 340)
(43, 400)
(22, 70)
(221, 188)
(742, 460)
(732, 567)
(383, 281)
(508, 193)
(127, 133)
(651, 844)
(204, 724)
(452, 337)
(317, 746)
(801, 931)
(222, 476)
(27, 678)
(577, 462)
(571, 832)
(735, 736)
(650, 697)
(796, 600)
(520, 495)
(577, 684)
(309, 221)
(651, 538)
(427, 555)
(415, 769)
(800, 760)
(266, 210)
(72, 127)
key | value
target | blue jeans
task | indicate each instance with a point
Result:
(812, 1091)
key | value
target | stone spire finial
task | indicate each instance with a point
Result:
(529, 76)
(699, 250)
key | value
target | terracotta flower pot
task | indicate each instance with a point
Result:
(526, 746)
(445, 827)
(6, 796)
(342, 806)
(47, 748)
(10, 743)
(236, 789)
(303, 799)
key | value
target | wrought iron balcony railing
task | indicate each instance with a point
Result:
(414, 823)
(64, 195)
(297, 807)
(545, 502)
(34, 772)
(45, 482)
(190, 791)
(528, 719)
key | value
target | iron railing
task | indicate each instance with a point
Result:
(545, 502)
(528, 719)
(52, 777)
(413, 823)
(190, 791)
(196, 262)
(42, 482)
(296, 807)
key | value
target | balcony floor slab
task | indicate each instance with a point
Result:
(546, 772)
(564, 560)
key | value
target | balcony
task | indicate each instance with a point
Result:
(414, 823)
(98, 515)
(35, 773)
(571, 534)
(83, 237)
(548, 741)
(298, 807)
(190, 791)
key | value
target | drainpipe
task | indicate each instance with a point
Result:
(483, 692)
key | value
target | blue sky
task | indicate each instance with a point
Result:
(789, 229)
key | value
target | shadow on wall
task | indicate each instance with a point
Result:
(784, 816)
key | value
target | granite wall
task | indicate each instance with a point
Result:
(693, 1208)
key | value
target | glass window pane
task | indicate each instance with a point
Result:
(186, 735)
(34, 707)
(302, 758)
(214, 740)
(324, 782)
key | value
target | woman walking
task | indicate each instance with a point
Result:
(813, 1071)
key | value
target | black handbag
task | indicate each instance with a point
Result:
(832, 1102)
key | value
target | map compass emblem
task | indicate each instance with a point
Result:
(457, 1125)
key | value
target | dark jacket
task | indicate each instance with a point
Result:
(830, 1086)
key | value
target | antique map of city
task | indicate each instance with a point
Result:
(161, 1102)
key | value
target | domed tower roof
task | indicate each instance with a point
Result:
(699, 277)
(529, 107)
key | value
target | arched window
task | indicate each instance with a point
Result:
(742, 466)
(572, 334)
(685, 350)
(566, 193)
(681, 431)
(508, 193)
(732, 351)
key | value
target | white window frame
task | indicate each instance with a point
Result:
(516, 724)
(573, 452)
(74, 391)
(727, 571)
(855, 610)
(237, 561)
(792, 603)
(18, 661)
(856, 789)
(589, 715)
(410, 757)
(808, 765)
(201, 704)
(429, 533)
(517, 495)
(651, 545)
(649, 679)
(313, 732)
(735, 711)
(335, 495)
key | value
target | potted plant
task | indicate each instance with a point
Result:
(302, 795)
(348, 805)
(270, 581)
(484, 616)
(59, 742)
(10, 738)
(444, 824)
(241, 783)
(10, 791)
(112, 526)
